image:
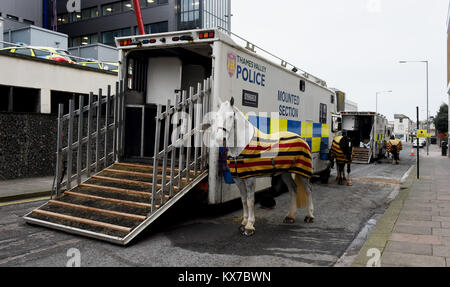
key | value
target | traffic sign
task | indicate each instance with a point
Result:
(421, 134)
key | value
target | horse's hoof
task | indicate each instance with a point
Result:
(289, 220)
(349, 183)
(249, 232)
(242, 229)
(309, 219)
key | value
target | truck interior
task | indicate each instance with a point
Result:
(361, 131)
(154, 76)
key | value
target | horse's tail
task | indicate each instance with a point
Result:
(302, 199)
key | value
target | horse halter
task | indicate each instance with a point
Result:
(229, 132)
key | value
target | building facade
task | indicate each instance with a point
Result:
(350, 106)
(21, 13)
(100, 21)
(403, 127)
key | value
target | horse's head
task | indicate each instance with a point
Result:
(223, 124)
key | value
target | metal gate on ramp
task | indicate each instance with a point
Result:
(111, 200)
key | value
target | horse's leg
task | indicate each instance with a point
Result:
(292, 187)
(343, 172)
(308, 187)
(243, 189)
(349, 181)
(250, 184)
(340, 169)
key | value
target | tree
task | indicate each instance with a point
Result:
(441, 119)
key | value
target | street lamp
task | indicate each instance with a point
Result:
(376, 101)
(428, 125)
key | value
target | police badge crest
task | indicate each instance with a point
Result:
(231, 64)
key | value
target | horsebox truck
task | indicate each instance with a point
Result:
(273, 96)
(169, 85)
(369, 133)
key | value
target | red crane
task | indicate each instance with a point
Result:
(137, 9)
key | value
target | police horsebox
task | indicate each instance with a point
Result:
(183, 76)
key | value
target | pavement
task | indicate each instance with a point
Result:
(19, 189)
(415, 229)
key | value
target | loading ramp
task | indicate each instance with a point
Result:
(120, 199)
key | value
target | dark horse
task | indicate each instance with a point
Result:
(341, 150)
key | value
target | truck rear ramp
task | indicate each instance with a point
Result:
(113, 205)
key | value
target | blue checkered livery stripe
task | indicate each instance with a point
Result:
(315, 134)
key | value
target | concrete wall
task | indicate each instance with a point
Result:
(36, 36)
(31, 72)
(99, 52)
(24, 9)
(27, 145)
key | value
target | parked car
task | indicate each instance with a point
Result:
(422, 143)
(43, 53)
(109, 66)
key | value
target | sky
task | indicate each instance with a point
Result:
(356, 46)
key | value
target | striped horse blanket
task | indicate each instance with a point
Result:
(269, 154)
(337, 152)
(394, 144)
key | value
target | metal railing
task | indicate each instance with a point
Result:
(96, 143)
(183, 155)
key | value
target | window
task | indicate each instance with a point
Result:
(127, 5)
(332, 99)
(108, 37)
(11, 17)
(112, 8)
(323, 114)
(23, 51)
(76, 16)
(214, 13)
(29, 22)
(84, 40)
(63, 19)
(189, 14)
(302, 85)
(160, 27)
(89, 13)
(41, 53)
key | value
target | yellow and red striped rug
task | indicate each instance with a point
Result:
(269, 154)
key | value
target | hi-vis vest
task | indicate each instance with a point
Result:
(273, 154)
(394, 144)
(336, 151)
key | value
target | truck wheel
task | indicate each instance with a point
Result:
(325, 175)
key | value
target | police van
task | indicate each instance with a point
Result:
(274, 94)
(369, 133)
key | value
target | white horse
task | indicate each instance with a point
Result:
(231, 126)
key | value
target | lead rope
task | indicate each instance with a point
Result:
(235, 141)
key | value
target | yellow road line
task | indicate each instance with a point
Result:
(24, 201)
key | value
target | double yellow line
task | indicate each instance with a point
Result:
(24, 201)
